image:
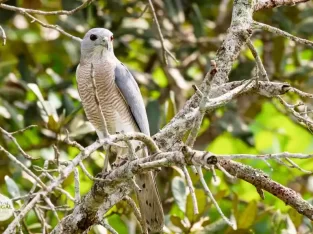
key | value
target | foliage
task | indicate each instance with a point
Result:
(38, 87)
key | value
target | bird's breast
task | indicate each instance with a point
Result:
(113, 106)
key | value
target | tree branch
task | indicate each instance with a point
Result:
(38, 12)
(267, 4)
(262, 181)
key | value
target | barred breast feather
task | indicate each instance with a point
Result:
(113, 105)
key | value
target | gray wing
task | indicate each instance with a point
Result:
(131, 93)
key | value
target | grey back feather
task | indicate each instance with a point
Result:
(131, 93)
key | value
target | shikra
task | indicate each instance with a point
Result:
(122, 106)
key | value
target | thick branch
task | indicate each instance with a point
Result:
(226, 55)
(116, 186)
(267, 4)
(262, 181)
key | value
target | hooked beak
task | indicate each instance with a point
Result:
(105, 43)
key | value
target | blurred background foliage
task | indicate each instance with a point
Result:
(38, 86)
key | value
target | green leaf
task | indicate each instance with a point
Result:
(295, 217)
(197, 20)
(248, 216)
(175, 211)
(13, 114)
(154, 114)
(179, 192)
(178, 222)
(159, 77)
(117, 223)
(235, 202)
(46, 106)
(52, 124)
(202, 205)
(13, 189)
(279, 44)
(170, 107)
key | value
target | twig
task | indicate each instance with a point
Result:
(194, 131)
(209, 193)
(72, 143)
(49, 203)
(3, 36)
(19, 228)
(132, 204)
(9, 135)
(107, 226)
(24, 197)
(131, 150)
(225, 98)
(24, 129)
(157, 163)
(165, 51)
(135, 185)
(202, 106)
(225, 172)
(77, 186)
(142, 13)
(214, 176)
(222, 13)
(42, 220)
(56, 156)
(260, 192)
(282, 33)
(301, 93)
(268, 164)
(58, 208)
(39, 12)
(67, 194)
(264, 156)
(24, 168)
(191, 190)
(56, 27)
(39, 169)
(147, 140)
(297, 166)
(82, 166)
(307, 121)
(257, 60)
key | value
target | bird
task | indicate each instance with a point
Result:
(123, 109)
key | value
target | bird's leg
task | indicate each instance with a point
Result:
(109, 153)
(106, 163)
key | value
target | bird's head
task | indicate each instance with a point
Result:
(97, 40)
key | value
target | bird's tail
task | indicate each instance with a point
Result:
(148, 197)
(149, 202)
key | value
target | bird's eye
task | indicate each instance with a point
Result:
(93, 37)
(112, 38)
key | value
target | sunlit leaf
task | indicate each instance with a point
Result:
(202, 205)
(117, 223)
(179, 192)
(178, 222)
(248, 216)
(170, 107)
(13, 189)
(295, 217)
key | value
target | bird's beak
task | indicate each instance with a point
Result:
(105, 42)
